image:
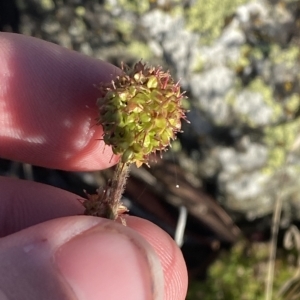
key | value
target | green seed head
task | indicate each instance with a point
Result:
(141, 112)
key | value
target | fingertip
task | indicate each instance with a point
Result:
(120, 264)
(48, 105)
(80, 257)
(172, 261)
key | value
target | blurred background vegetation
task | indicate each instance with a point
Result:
(239, 61)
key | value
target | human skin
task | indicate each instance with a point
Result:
(48, 250)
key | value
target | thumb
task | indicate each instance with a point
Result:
(79, 258)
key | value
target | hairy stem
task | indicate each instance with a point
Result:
(107, 202)
(117, 186)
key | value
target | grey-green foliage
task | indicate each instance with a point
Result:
(136, 6)
(275, 76)
(209, 17)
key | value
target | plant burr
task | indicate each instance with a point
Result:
(140, 112)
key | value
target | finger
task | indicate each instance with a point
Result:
(171, 258)
(26, 203)
(79, 258)
(32, 203)
(48, 105)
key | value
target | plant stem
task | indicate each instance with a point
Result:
(116, 188)
(107, 202)
(273, 245)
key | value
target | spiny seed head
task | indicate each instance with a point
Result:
(140, 111)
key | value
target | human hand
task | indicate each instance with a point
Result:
(48, 251)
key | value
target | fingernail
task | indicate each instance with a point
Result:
(110, 262)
